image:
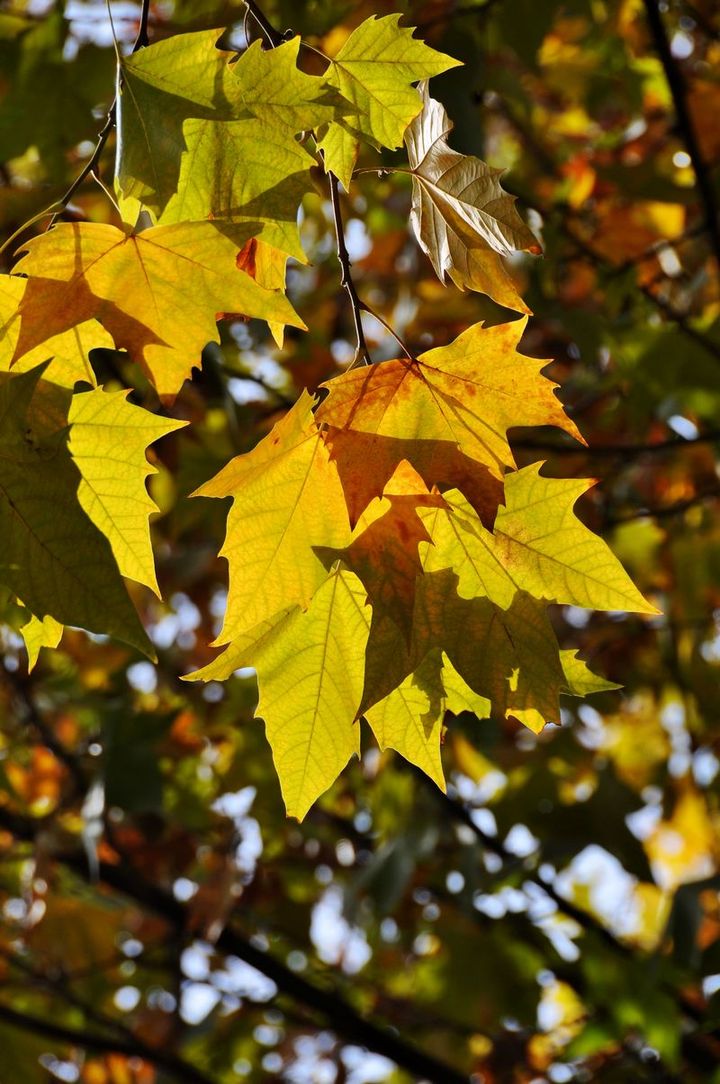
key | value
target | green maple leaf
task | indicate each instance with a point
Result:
(162, 86)
(54, 557)
(248, 178)
(269, 86)
(374, 71)
(187, 78)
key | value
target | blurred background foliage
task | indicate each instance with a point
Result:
(556, 916)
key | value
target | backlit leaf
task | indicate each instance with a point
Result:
(54, 558)
(109, 438)
(374, 71)
(67, 352)
(466, 395)
(136, 284)
(459, 210)
(537, 545)
(287, 502)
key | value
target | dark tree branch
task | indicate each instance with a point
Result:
(346, 279)
(608, 451)
(130, 1048)
(328, 1003)
(678, 90)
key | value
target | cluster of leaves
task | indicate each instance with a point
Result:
(386, 558)
(554, 915)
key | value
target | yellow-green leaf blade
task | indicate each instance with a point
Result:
(410, 720)
(109, 438)
(287, 503)
(54, 559)
(374, 71)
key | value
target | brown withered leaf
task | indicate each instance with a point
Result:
(461, 216)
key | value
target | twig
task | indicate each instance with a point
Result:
(678, 91)
(91, 165)
(610, 450)
(666, 511)
(131, 1048)
(328, 1003)
(361, 352)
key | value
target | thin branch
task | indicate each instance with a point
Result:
(130, 1048)
(666, 511)
(610, 450)
(91, 165)
(678, 90)
(328, 1003)
(361, 352)
(388, 327)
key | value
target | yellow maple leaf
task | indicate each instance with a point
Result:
(136, 284)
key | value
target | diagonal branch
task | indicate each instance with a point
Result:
(326, 1002)
(88, 1040)
(678, 90)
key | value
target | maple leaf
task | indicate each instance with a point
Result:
(410, 719)
(54, 557)
(162, 85)
(310, 675)
(269, 85)
(509, 656)
(172, 90)
(461, 216)
(465, 395)
(68, 352)
(276, 524)
(136, 284)
(458, 202)
(374, 71)
(247, 177)
(537, 545)
(366, 461)
(108, 442)
(384, 554)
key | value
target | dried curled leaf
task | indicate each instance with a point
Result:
(461, 216)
